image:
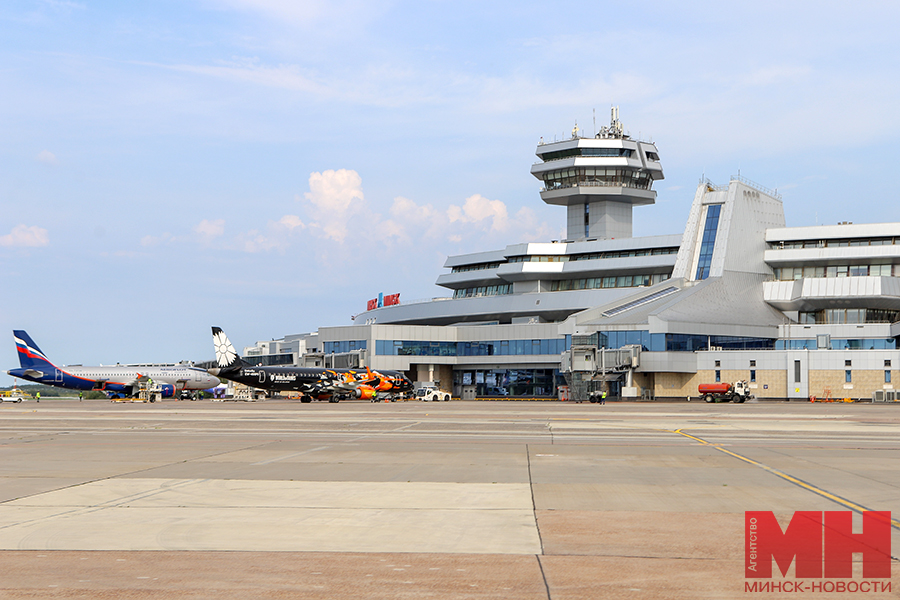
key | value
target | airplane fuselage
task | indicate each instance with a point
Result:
(119, 378)
(309, 380)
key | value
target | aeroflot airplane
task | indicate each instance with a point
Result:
(119, 379)
(322, 384)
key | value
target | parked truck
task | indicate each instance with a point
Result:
(738, 392)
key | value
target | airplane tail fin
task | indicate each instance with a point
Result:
(227, 358)
(30, 356)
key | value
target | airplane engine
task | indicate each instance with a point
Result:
(167, 390)
(365, 392)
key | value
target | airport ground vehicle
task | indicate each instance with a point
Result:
(14, 395)
(738, 392)
(427, 394)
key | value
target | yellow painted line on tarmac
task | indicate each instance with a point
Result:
(799, 482)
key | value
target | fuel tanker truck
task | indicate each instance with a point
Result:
(725, 392)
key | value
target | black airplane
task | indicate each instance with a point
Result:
(312, 383)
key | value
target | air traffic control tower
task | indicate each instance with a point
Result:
(599, 179)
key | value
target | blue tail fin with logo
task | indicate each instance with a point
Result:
(30, 356)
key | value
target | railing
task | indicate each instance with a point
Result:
(753, 184)
(596, 184)
(424, 300)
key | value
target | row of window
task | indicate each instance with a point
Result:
(796, 245)
(608, 152)
(626, 253)
(839, 344)
(539, 258)
(568, 257)
(679, 342)
(841, 316)
(791, 273)
(848, 376)
(344, 346)
(487, 348)
(484, 290)
(593, 283)
(270, 360)
(600, 177)
(478, 267)
(651, 342)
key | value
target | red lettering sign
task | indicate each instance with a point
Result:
(764, 540)
(874, 543)
(372, 304)
(811, 543)
(392, 300)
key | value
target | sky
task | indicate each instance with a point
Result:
(268, 166)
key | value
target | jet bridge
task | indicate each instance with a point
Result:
(588, 368)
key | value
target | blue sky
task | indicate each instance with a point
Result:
(270, 165)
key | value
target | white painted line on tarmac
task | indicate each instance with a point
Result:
(287, 456)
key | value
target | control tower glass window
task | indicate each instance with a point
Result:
(709, 241)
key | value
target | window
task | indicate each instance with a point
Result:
(887, 376)
(718, 363)
(752, 375)
(848, 377)
(752, 363)
(848, 363)
(718, 376)
(708, 242)
(887, 363)
(797, 371)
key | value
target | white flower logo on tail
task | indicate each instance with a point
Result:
(225, 353)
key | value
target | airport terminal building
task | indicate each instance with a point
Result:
(794, 311)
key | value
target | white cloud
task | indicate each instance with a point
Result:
(335, 196)
(155, 240)
(291, 222)
(477, 209)
(210, 229)
(47, 157)
(276, 237)
(23, 236)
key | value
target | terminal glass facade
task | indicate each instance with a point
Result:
(484, 290)
(594, 283)
(488, 348)
(599, 176)
(678, 342)
(500, 383)
(840, 344)
(841, 316)
(270, 360)
(791, 273)
(344, 346)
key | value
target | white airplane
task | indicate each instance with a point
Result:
(118, 380)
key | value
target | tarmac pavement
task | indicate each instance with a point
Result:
(412, 500)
